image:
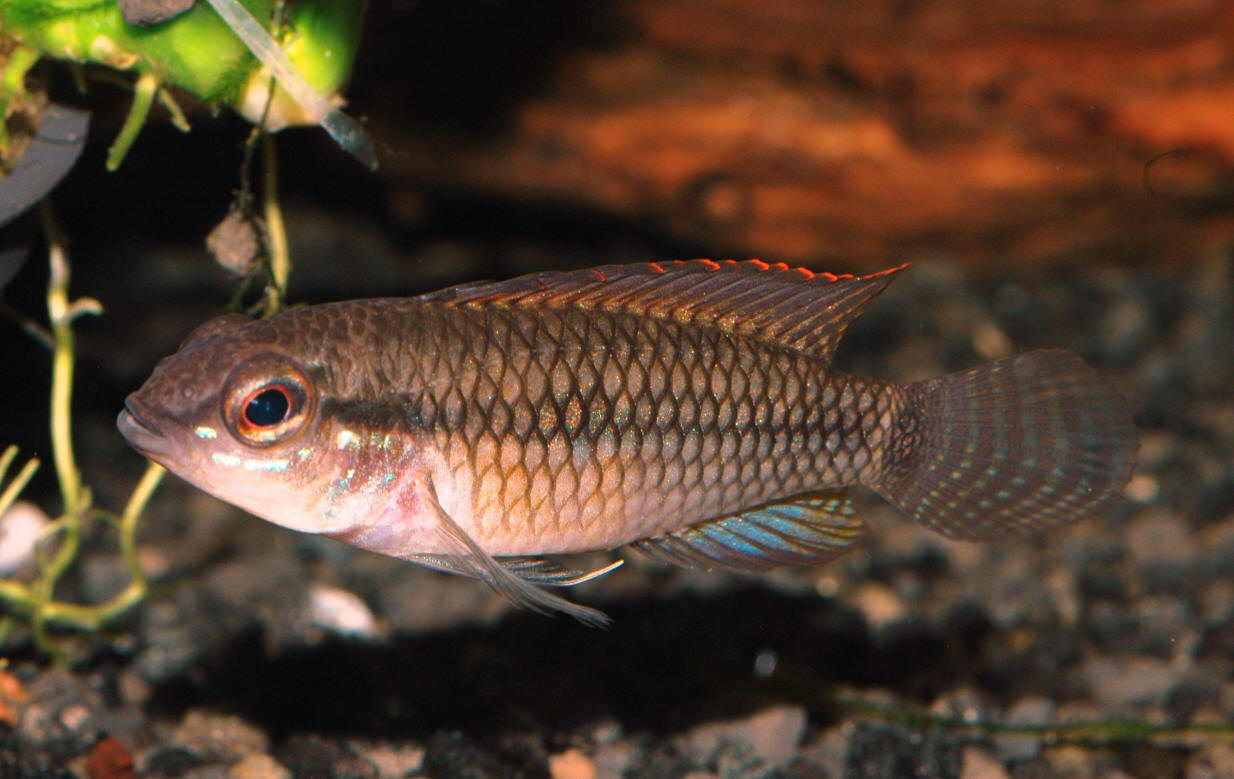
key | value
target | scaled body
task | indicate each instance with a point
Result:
(687, 408)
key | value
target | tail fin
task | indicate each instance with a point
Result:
(1017, 446)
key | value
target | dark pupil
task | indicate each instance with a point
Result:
(266, 408)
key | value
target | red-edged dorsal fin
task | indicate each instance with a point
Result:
(793, 307)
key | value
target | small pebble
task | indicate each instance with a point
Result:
(765, 663)
(990, 342)
(133, 689)
(571, 764)
(1122, 684)
(1214, 760)
(606, 732)
(393, 760)
(772, 735)
(19, 530)
(827, 585)
(340, 611)
(218, 737)
(1217, 603)
(12, 695)
(110, 759)
(612, 760)
(74, 716)
(1143, 488)
(964, 703)
(1166, 624)
(170, 761)
(828, 751)
(879, 603)
(1126, 327)
(980, 764)
(1071, 761)
(202, 772)
(1027, 711)
(257, 765)
(877, 749)
(1161, 537)
(62, 707)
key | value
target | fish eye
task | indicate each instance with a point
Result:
(267, 407)
(263, 408)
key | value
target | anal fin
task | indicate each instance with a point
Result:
(800, 532)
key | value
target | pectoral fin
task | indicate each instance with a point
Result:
(802, 532)
(466, 557)
(537, 570)
(544, 570)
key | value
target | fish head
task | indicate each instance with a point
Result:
(236, 412)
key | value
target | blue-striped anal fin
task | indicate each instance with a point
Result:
(805, 531)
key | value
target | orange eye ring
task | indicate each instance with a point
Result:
(269, 407)
(265, 408)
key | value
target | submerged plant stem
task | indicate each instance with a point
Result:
(276, 230)
(59, 312)
(19, 482)
(1096, 731)
(37, 599)
(346, 132)
(143, 97)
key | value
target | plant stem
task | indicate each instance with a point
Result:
(19, 481)
(58, 311)
(37, 599)
(1097, 731)
(276, 230)
(143, 97)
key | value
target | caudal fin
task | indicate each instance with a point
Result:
(1011, 448)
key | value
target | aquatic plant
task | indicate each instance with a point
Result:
(59, 542)
(219, 53)
(216, 51)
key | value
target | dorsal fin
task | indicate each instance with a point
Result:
(792, 307)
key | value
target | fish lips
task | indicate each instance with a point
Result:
(138, 428)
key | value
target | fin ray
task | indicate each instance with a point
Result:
(469, 558)
(543, 570)
(792, 307)
(800, 532)
(1011, 448)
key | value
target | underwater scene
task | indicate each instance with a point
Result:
(698, 388)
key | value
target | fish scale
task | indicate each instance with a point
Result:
(770, 416)
(686, 409)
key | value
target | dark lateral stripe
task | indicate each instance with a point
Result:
(374, 415)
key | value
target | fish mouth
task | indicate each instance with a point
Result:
(135, 425)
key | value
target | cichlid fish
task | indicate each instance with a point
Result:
(687, 409)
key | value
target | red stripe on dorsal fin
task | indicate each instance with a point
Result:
(792, 307)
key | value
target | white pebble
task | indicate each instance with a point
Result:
(342, 612)
(19, 531)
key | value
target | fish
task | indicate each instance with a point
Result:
(685, 409)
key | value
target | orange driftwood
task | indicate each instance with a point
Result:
(860, 132)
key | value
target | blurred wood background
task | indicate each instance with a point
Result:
(852, 132)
